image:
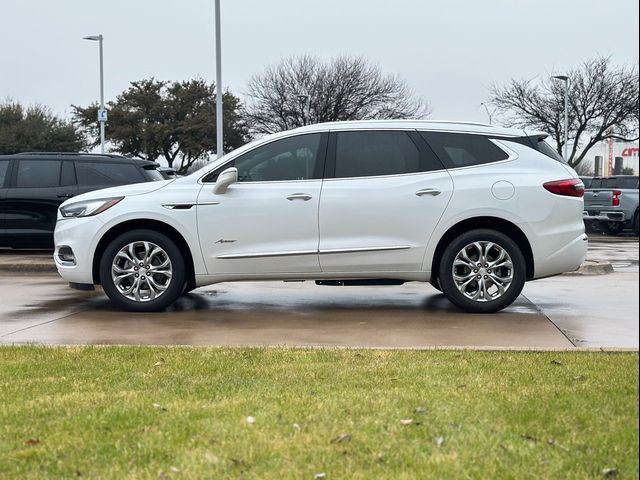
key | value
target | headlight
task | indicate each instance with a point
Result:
(88, 207)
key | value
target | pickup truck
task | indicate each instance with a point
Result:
(611, 203)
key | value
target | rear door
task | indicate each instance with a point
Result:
(382, 197)
(32, 201)
(4, 181)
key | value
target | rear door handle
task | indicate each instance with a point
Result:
(428, 191)
(65, 195)
(299, 196)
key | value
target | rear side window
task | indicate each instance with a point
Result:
(548, 150)
(463, 150)
(620, 182)
(104, 174)
(38, 173)
(4, 165)
(153, 174)
(371, 153)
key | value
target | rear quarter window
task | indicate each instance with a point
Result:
(457, 150)
(105, 174)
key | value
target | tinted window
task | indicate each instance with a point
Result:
(154, 174)
(367, 154)
(549, 151)
(463, 150)
(38, 173)
(587, 181)
(106, 174)
(620, 182)
(4, 165)
(293, 158)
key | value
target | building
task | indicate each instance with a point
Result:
(610, 157)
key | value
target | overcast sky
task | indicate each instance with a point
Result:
(449, 52)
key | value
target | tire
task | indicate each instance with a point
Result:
(613, 228)
(470, 295)
(636, 225)
(119, 274)
(436, 284)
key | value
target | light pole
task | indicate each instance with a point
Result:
(305, 101)
(565, 79)
(102, 113)
(219, 136)
(488, 113)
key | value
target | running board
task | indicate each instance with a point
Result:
(361, 282)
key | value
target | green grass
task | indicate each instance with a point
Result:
(89, 412)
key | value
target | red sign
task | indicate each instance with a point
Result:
(630, 152)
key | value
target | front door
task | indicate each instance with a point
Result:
(267, 222)
(387, 194)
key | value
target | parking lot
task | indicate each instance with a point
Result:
(560, 312)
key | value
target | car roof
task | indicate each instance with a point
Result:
(79, 156)
(430, 125)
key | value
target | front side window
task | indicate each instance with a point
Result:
(106, 174)
(374, 153)
(4, 166)
(38, 173)
(292, 158)
(463, 150)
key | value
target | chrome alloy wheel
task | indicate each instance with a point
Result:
(141, 271)
(482, 271)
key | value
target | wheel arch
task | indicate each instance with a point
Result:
(493, 223)
(148, 224)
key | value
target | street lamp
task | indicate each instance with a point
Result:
(305, 101)
(565, 79)
(219, 136)
(102, 113)
(488, 113)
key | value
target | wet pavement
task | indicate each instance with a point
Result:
(559, 312)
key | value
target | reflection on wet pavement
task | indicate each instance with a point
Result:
(272, 313)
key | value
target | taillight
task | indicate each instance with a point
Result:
(615, 199)
(568, 188)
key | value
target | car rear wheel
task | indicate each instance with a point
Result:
(142, 271)
(482, 271)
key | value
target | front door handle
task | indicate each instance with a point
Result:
(428, 191)
(299, 196)
(65, 195)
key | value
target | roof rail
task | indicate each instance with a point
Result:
(73, 154)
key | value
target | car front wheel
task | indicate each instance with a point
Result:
(142, 271)
(482, 271)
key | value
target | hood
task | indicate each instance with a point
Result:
(121, 191)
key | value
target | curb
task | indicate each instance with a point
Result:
(29, 267)
(589, 267)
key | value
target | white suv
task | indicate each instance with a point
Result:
(476, 210)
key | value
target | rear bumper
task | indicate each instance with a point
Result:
(604, 216)
(568, 258)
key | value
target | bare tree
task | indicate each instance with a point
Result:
(603, 103)
(305, 90)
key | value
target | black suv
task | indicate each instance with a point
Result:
(33, 185)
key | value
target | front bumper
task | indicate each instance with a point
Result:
(79, 235)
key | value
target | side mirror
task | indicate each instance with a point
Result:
(226, 178)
